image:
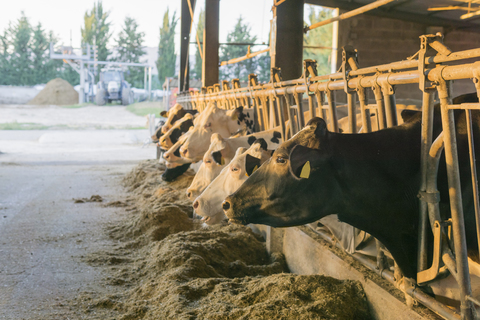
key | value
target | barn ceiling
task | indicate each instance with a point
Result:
(420, 11)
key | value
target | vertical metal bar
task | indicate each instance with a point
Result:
(426, 142)
(382, 122)
(332, 110)
(352, 114)
(259, 116)
(458, 223)
(281, 115)
(291, 116)
(390, 109)
(473, 169)
(271, 105)
(365, 113)
(298, 101)
(311, 106)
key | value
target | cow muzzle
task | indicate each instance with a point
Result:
(164, 143)
(228, 210)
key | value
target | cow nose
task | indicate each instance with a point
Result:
(189, 194)
(184, 151)
(226, 205)
(195, 204)
(166, 156)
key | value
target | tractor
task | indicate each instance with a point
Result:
(112, 86)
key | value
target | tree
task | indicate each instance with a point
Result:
(21, 34)
(96, 30)
(319, 37)
(240, 70)
(130, 49)
(166, 48)
(196, 72)
(264, 65)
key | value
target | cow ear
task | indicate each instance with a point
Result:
(303, 160)
(251, 164)
(235, 113)
(164, 114)
(218, 158)
(408, 115)
(320, 126)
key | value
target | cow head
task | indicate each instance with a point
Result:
(214, 161)
(179, 128)
(211, 120)
(209, 203)
(173, 154)
(170, 174)
(278, 194)
(174, 114)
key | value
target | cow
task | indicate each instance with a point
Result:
(215, 120)
(180, 127)
(170, 174)
(176, 113)
(221, 151)
(370, 181)
(209, 204)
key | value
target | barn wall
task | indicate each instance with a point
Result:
(383, 40)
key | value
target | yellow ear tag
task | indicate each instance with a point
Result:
(222, 161)
(305, 170)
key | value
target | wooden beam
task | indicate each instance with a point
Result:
(210, 45)
(287, 39)
(185, 25)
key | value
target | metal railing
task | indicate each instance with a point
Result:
(282, 103)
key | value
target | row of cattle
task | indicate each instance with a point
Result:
(369, 180)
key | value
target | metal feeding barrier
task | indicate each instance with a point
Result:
(278, 101)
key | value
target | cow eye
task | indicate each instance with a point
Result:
(281, 160)
(208, 161)
(234, 169)
(208, 125)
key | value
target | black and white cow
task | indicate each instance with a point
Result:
(176, 113)
(215, 120)
(370, 181)
(180, 127)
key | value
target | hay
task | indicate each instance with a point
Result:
(170, 266)
(57, 92)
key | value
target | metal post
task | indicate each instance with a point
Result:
(456, 207)
(145, 79)
(352, 113)
(81, 96)
(149, 83)
(362, 98)
(427, 129)
(332, 109)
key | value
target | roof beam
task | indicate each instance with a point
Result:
(401, 15)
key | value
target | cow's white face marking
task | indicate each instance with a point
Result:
(211, 120)
(171, 113)
(209, 203)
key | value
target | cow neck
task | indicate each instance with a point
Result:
(378, 175)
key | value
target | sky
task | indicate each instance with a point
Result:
(65, 18)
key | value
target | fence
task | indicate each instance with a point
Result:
(279, 101)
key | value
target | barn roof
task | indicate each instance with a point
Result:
(416, 11)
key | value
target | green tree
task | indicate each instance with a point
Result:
(130, 49)
(321, 37)
(196, 72)
(166, 48)
(20, 34)
(264, 65)
(96, 30)
(5, 67)
(240, 70)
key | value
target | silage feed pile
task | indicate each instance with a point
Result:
(169, 266)
(57, 92)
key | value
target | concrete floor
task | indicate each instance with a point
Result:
(43, 233)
